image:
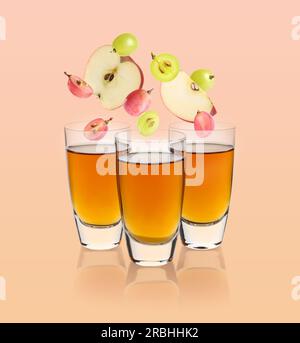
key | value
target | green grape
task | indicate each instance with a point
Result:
(164, 67)
(125, 44)
(204, 78)
(148, 123)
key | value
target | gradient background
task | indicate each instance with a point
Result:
(248, 45)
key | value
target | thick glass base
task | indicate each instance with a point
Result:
(203, 236)
(150, 255)
(99, 237)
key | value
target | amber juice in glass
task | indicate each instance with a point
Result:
(208, 162)
(95, 197)
(151, 202)
(208, 202)
(93, 185)
(151, 184)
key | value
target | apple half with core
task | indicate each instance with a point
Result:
(184, 98)
(112, 77)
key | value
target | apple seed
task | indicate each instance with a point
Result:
(107, 76)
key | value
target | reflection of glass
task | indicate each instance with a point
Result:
(208, 167)
(151, 288)
(101, 275)
(202, 278)
(150, 174)
(93, 186)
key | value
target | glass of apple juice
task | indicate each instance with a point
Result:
(93, 184)
(151, 184)
(208, 161)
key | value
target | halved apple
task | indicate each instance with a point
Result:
(112, 77)
(184, 98)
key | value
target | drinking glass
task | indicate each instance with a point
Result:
(151, 181)
(93, 186)
(208, 179)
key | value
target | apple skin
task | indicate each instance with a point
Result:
(213, 111)
(129, 59)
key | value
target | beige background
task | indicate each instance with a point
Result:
(48, 276)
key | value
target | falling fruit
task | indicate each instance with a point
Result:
(183, 97)
(204, 78)
(203, 124)
(125, 44)
(148, 123)
(96, 129)
(164, 67)
(112, 77)
(138, 102)
(78, 87)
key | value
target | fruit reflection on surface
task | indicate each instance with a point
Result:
(151, 191)
(202, 278)
(208, 201)
(95, 197)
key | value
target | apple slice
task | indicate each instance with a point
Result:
(112, 77)
(183, 97)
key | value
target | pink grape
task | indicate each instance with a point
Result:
(79, 87)
(96, 129)
(138, 102)
(204, 123)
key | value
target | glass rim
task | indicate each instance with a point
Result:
(225, 126)
(69, 126)
(148, 139)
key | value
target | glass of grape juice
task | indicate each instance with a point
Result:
(151, 184)
(208, 179)
(93, 185)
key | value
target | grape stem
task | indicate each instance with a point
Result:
(152, 55)
(69, 75)
(108, 120)
(150, 90)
